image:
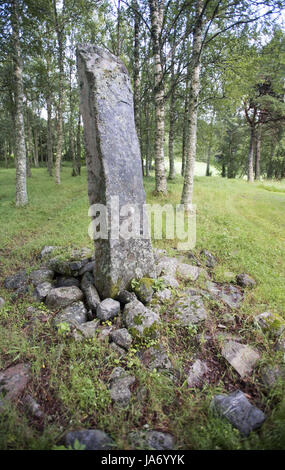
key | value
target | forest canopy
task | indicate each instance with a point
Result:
(207, 77)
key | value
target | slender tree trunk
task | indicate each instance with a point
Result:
(71, 133)
(29, 146)
(49, 135)
(269, 172)
(6, 154)
(250, 173)
(119, 28)
(258, 153)
(20, 147)
(187, 193)
(59, 33)
(147, 140)
(185, 130)
(136, 75)
(231, 173)
(208, 172)
(171, 174)
(78, 145)
(156, 13)
(36, 148)
(29, 171)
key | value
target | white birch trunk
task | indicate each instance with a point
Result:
(156, 10)
(191, 141)
(20, 147)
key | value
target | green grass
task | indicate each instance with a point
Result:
(242, 225)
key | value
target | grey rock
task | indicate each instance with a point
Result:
(2, 302)
(113, 165)
(244, 280)
(163, 295)
(105, 332)
(33, 407)
(88, 268)
(271, 323)
(124, 297)
(270, 376)
(77, 266)
(41, 291)
(48, 250)
(90, 292)
(41, 275)
(193, 259)
(280, 344)
(67, 281)
(119, 390)
(92, 439)
(151, 440)
(117, 373)
(170, 281)
(236, 408)
(139, 319)
(159, 359)
(17, 282)
(190, 310)
(65, 267)
(197, 374)
(118, 350)
(86, 330)
(241, 357)
(167, 266)
(73, 314)
(158, 254)
(63, 296)
(122, 338)
(159, 440)
(14, 380)
(209, 258)
(187, 271)
(59, 266)
(144, 290)
(84, 253)
(108, 309)
(35, 314)
(229, 294)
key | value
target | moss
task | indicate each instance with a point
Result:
(115, 289)
(273, 323)
(138, 320)
(143, 288)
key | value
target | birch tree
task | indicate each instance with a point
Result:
(156, 14)
(20, 146)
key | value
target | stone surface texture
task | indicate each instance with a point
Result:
(241, 357)
(91, 439)
(14, 380)
(113, 165)
(236, 408)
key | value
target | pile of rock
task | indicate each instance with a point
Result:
(68, 289)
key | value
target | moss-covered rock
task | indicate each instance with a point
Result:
(143, 288)
(271, 323)
(141, 322)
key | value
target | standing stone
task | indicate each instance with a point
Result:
(114, 167)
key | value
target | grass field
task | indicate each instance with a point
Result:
(242, 225)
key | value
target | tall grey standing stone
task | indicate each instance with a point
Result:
(114, 166)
